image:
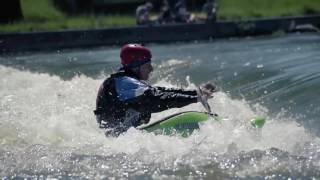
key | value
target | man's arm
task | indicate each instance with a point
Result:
(159, 99)
(145, 98)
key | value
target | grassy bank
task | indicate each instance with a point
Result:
(241, 9)
(80, 22)
(40, 15)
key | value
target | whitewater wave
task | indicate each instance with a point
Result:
(47, 127)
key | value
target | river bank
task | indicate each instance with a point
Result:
(55, 40)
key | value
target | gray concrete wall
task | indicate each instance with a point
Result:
(34, 41)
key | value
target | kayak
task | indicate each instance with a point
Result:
(184, 123)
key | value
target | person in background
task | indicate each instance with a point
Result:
(181, 13)
(126, 99)
(143, 14)
(165, 15)
(210, 8)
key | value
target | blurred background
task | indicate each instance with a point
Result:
(40, 15)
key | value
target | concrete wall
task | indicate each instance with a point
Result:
(34, 41)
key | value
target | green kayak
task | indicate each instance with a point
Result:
(185, 123)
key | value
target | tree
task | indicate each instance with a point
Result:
(10, 10)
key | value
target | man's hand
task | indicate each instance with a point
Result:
(206, 90)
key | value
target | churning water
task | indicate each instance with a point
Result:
(47, 128)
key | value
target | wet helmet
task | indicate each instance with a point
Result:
(134, 55)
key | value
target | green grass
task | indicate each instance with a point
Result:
(241, 9)
(41, 15)
(79, 22)
(40, 11)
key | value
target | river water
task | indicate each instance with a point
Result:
(47, 128)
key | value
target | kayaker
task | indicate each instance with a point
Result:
(125, 99)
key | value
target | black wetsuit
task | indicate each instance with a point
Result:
(124, 101)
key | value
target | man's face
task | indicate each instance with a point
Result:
(145, 71)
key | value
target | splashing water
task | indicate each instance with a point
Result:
(47, 127)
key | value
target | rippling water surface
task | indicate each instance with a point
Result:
(47, 128)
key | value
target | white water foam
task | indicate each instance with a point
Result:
(43, 109)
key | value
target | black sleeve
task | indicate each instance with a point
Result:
(174, 90)
(158, 99)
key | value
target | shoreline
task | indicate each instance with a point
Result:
(57, 40)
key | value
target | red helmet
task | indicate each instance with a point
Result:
(134, 55)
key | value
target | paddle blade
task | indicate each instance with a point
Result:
(258, 122)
